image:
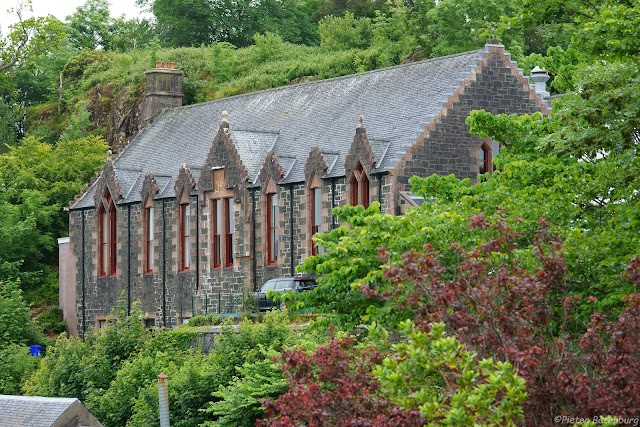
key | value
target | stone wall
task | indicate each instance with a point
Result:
(445, 145)
(168, 296)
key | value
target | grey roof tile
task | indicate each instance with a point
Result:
(34, 411)
(394, 101)
(287, 163)
(253, 147)
(331, 159)
(379, 148)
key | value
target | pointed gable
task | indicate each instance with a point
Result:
(224, 155)
(400, 103)
(107, 182)
(272, 171)
(316, 166)
(150, 187)
(185, 183)
(360, 151)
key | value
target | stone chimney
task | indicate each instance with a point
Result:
(540, 78)
(163, 90)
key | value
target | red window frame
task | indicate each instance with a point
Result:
(185, 236)
(102, 242)
(216, 233)
(484, 159)
(223, 227)
(354, 192)
(107, 237)
(360, 187)
(364, 188)
(272, 228)
(112, 243)
(316, 216)
(229, 229)
(149, 238)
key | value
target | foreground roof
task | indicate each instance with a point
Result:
(34, 411)
(396, 103)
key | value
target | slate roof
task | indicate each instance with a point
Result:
(396, 102)
(33, 411)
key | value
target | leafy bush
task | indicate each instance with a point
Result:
(203, 379)
(205, 320)
(15, 319)
(439, 376)
(115, 405)
(334, 386)
(82, 369)
(345, 32)
(50, 321)
(63, 372)
(240, 401)
(17, 366)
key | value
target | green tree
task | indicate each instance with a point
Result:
(28, 37)
(85, 369)
(15, 319)
(345, 32)
(184, 23)
(446, 381)
(17, 366)
(132, 34)
(458, 26)
(37, 180)
(203, 379)
(197, 22)
(358, 8)
(89, 26)
(240, 401)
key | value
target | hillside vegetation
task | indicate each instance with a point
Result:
(513, 301)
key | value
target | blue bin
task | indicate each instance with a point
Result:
(35, 350)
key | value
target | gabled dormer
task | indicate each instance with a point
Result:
(358, 165)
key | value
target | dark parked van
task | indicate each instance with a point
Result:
(283, 284)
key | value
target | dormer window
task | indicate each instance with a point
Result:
(107, 233)
(359, 187)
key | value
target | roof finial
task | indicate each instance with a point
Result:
(360, 121)
(225, 116)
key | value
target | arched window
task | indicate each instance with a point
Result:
(107, 233)
(272, 227)
(485, 161)
(359, 187)
(315, 212)
(185, 232)
(222, 221)
(149, 236)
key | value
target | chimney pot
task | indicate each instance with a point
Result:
(540, 78)
(163, 90)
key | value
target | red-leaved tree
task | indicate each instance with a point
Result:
(334, 386)
(505, 298)
(608, 382)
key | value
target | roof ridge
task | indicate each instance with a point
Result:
(315, 82)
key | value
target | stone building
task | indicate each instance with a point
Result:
(215, 198)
